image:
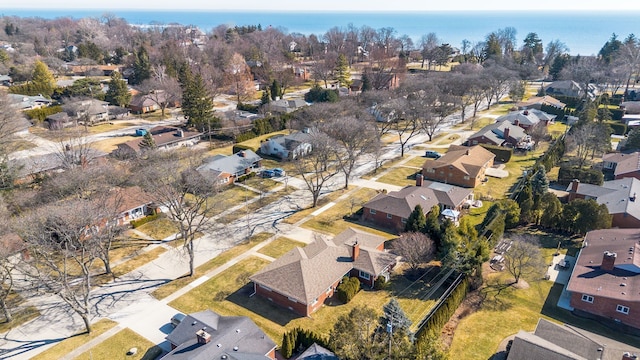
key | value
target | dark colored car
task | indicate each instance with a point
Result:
(432, 154)
(177, 319)
(268, 173)
(278, 172)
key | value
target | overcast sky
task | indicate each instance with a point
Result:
(326, 5)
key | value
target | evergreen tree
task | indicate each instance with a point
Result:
(366, 83)
(141, 66)
(43, 81)
(394, 314)
(551, 211)
(148, 143)
(539, 182)
(416, 221)
(432, 225)
(276, 90)
(197, 105)
(525, 201)
(343, 75)
(118, 93)
(266, 98)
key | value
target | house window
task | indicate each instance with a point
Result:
(431, 170)
(372, 212)
(292, 299)
(314, 302)
(389, 216)
(364, 275)
(622, 309)
(587, 298)
(466, 177)
(475, 142)
(404, 220)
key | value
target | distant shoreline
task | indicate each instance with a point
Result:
(583, 32)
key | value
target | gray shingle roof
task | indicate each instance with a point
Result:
(232, 164)
(525, 117)
(615, 194)
(227, 331)
(495, 132)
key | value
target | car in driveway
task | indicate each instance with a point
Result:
(279, 172)
(267, 173)
(177, 319)
(432, 154)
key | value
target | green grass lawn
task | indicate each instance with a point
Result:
(557, 128)
(159, 229)
(448, 139)
(478, 123)
(116, 347)
(228, 198)
(476, 215)
(331, 221)
(69, 344)
(280, 246)
(400, 175)
(172, 286)
(417, 161)
(385, 166)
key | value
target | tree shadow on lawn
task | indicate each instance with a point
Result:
(261, 306)
(601, 327)
(417, 285)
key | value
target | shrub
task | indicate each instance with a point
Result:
(238, 148)
(144, 220)
(589, 176)
(245, 136)
(380, 283)
(502, 154)
(245, 177)
(248, 107)
(618, 128)
(348, 289)
(40, 114)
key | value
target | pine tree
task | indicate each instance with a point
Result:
(266, 98)
(416, 221)
(141, 66)
(275, 90)
(394, 314)
(343, 75)
(366, 83)
(197, 105)
(148, 143)
(43, 81)
(118, 93)
(432, 225)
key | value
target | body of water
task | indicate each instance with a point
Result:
(583, 32)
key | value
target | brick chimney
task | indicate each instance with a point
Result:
(506, 133)
(608, 261)
(203, 337)
(574, 185)
(419, 179)
(629, 356)
(355, 251)
(516, 122)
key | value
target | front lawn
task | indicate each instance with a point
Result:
(256, 205)
(386, 165)
(254, 144)
(261, 184)
(116, 347)
(417, 161)
(20, 313)
(228, 198)
(71, 343)
(174, 285)
(323, 200)
(280, 246)
(400, 175)
(111, 144)
(159, 229)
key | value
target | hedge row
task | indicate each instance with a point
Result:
(618, 128)
(589, 176)
(502, 154)
(237, 148)
(144, 220)
(348, 289)
(440, 317)
(300, 338)
(616, 114)
(246, 177)
(40, 114)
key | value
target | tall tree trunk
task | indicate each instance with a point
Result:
(5, 309)
(87, 322)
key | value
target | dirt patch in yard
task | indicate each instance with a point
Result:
(471, 304)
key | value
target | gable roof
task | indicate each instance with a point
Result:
(495, 132)
(469, 160)
(618, 195)
(305, 273)
(542, 100)
(625, 163)
(401, 203)
(232, 164)
(589, 278)
(528, 117)
(237, 337)
(164, 136)
(317, 352)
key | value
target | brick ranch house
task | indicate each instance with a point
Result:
(302, 279)
(502, 133)
(622, 165)
(618, 195)
(226, 169)
(605, 282)
(393, 209)
(461, 166)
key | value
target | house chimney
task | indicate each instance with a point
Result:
(574, 185)
(355, 251)
(419, 179)
(525, 113)
(506, 133)
(633, 198)
(608, 261)
(203, 337)
(629, 356)
(180, 133)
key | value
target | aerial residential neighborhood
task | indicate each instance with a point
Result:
(248, 193)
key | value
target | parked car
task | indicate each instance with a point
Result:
(279, 172)
(432, 154)
(177, 319)
(268, 173)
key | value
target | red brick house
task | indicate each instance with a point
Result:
(302, 279)
(130, 203)
(620, 197)
(208, 335)
(461, 165)
(622, 165)
(393, 209)
(605, 282)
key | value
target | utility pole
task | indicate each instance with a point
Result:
(390, 332)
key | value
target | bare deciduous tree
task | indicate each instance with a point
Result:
(524, 258)
(415, 248)
(317, 167)
(162, 89)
